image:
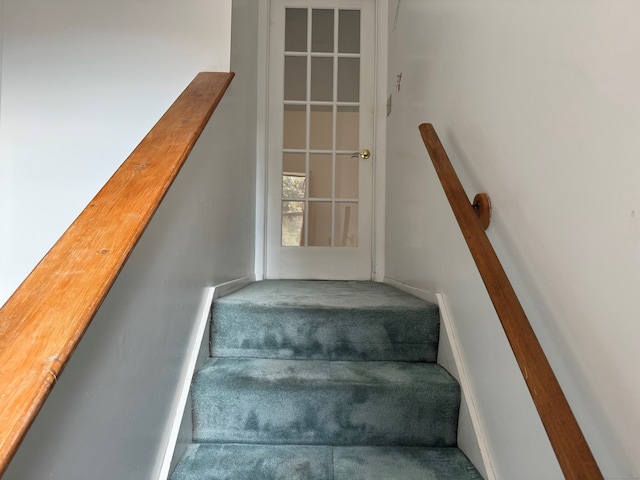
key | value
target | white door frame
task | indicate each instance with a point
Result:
(383, 19)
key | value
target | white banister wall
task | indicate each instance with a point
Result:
(537, 104)
(82, 83)
(109, 415)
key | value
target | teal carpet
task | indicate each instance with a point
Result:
(325, 321)
(323, 380)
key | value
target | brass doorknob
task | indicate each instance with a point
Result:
(364, 154)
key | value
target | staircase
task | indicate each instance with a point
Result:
(324, 380)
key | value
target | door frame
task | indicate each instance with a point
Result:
(382, 21)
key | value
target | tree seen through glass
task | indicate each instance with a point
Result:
(294, 188)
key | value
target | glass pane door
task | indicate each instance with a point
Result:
(321, 112)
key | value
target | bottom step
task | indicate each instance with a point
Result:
(307, 462)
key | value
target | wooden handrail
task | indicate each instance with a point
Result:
(568, 442)
(43, 321)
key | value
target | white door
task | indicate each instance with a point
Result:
(321, 120)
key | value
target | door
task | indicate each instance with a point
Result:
(321, 120)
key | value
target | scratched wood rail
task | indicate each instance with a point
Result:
(42, 323)
(568, 442)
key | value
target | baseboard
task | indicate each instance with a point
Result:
(478, 451)
(228, 288)
(471, 438)
(181, 424)
(416, 292)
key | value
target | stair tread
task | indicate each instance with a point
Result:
(304, 462)
(325, 294)
(325, 402)
(323, 372)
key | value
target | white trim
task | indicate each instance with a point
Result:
(415, 291)
(196, 340)
(228, 288)
(199, 343)
(380, 140)
(475, 446)
(262, 141)
(448, 331)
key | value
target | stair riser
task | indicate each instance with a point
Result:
(314, 411)
(260, 462)
(325, 333)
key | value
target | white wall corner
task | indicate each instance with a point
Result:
(471, 438)
(225, 10)
(262, 145)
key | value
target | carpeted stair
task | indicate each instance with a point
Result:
(324, 380)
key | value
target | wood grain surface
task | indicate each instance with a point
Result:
(568, 442)
(41, 324)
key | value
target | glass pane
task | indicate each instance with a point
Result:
(295, 126)
(295, 78)
(349, 31)
(347, 176)
(347, 128)
(294, 175)
(293, 186)
(319, 224)
(294, 163)
(322, 31)
(346, 225)
(348, 79)
(295, 36)
(321, 128)
(321, 79)
(320, 176)
(292, 224)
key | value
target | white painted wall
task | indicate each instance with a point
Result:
(110, 413)
(536, 103)
(109, 416)
(1, 55)
(82, 83)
